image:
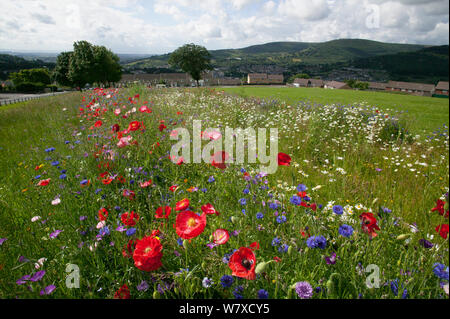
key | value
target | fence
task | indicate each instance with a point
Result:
(27, 98)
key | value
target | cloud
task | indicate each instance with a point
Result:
(159, 26)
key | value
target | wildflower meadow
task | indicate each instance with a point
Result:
(94, 204)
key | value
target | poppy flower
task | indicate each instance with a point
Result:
(122, 293)
(218, 159)
(182, 205)
(440, 207)
(44, 182)
(163, 212)
(146, 184)
(254, 245)
(243, 263)
(284, 159)
(128, 194)
(209, 209)
(189, 225)
(443, 230)
(103, 214)
(369, 224)
(98, 123)
(107, 181)
(148, 253)
(221, 236)
(145, 109)
(162, 127)
(134, 126)
(115, 128)
(129, 219)
(173, 188)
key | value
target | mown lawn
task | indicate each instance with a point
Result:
(423, 114)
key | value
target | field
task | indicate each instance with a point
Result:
(94, 205)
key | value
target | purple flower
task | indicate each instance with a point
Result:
(23, 280)
(2, 240)
(304, 290)
(23, 259)
(83, 218)
(425, 243)
(121, 229)
(346, 230)
(48, 290)
(131, 231)
(143, 286)
(338, 210)
(331, 260)
(301, 188)
(38, 276)
(55, 234)
(262, 294)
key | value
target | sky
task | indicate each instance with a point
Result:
(160, 26)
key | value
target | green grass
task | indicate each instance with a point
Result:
(423, 114)
(338, 153)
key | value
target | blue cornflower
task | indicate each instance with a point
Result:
(104, 231)
(180, 241)
(37, 177)
(440, 271)
(243, 170)
(281, 219)
(260, 216)
(51, 149)
(386, 210)
(62, 176)
(84, 182)
(246, 191)
(346, 230)
(226, 281)
(243, 201)
(283, 248)
(302, 188)
(273, 206)
(262, 294)
(55, 163)
(338, 210)
(296, 200)
(131, 231)
(276, 241)
(211, 179)
(316, 242)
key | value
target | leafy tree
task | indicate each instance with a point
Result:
(61, 71)
(192, 59)
(82, 64)
(41, 76)
(107, 68)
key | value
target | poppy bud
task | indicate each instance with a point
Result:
(403, 236)
(333, 285)
(155, 294)
(185, 244)
(290, 250)
(234, 219)
(261, 267)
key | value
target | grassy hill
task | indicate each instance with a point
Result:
(11, 63)
(287, 53)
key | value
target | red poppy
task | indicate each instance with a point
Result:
(103, 214)
(369, 224)
(189, 225)
(277, 259)
(116, 128)
(440, 207)
(218, 159)
(162, 127)
(180, 160)
(44, 182)
(129, 194)
(129, 219)
(284, 159)
(173, 188)
(146, 184)
(443, 230)
(209, 209)
(122, 293)
(107, 181)
(163, 212)
(221, 236)
(128, 250)
(145, 109)
(134, 126)
(98, 123)
(254, 245)
(148, 253)
(243, 263)
(182, 205)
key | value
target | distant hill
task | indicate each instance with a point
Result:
(425, 65)
(284, 54)
(11, 63)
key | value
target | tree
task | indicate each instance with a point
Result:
(107, 68)
(61, 71)
(192, 59)
(82, 64)
(31, 76)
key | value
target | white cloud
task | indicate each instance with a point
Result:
(162, 25)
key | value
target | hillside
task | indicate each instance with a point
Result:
(11, 63)
(426, 65)
(286, 54)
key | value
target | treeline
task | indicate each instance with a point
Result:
(87, 63)
(11, 63)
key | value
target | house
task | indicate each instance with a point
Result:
(264, 78)
(337, 85)
(377, 86)
(228, 81)
(442, 88)
(411, 88)
(310, 83)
